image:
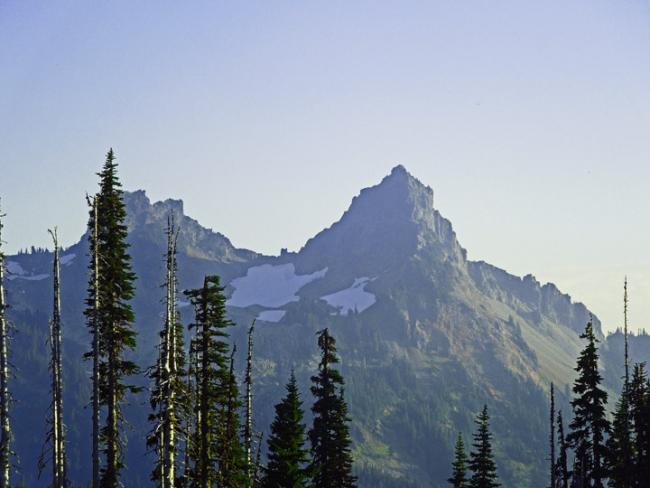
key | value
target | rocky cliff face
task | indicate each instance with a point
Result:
(426, 336)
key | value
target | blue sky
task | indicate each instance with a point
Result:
(530, 120)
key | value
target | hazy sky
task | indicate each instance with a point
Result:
(531, 121)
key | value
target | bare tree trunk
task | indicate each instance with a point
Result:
(57, 432)
(169, 366)
(248, 426)
(95, 333)
(5, 429)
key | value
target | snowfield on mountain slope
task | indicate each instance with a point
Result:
(270, 285)
(16, 271)
(353, 298)
(271, 315)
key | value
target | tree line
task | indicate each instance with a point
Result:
(595, 451)
(198, 436)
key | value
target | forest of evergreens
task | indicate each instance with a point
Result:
(197, 434)
(201, 429)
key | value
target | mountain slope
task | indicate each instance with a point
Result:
(426, 336)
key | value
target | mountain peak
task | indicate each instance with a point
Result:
(147, 221)
(388, 222)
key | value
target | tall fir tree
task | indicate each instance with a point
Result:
(589, 426)
(459, 466)
(620, 442)
(288, 458)
(640, 414)
(330, 438)
(482, 465)
(113, 318)
(562, 475)
(5, 426)
(55, 437)
(212, 380)
(230, 454)
(169, 395)
(552, 461)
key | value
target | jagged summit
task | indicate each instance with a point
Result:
(146, 221)
(386, 222)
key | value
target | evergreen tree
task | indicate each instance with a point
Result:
(589, 425)
(55, 437)
(230, 454)
(212, 379)
(169, 396)
(619, 444)
(459, 466)
(553, 477)
(288, 459)
(482, 465)
(640, 414)
(5, 427)
(329, 435)
(562, 475)
(113, 318)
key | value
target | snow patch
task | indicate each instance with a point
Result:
(38, 277)
(67, 259)
(15, 269)
(353, 298)
(270, 286)
(271, 315)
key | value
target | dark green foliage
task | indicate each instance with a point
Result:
(216, 391)
(459, 466)
(640, 413)
(482, 465)
(231, 457)
(589, 425)
(288, 458)
(330, 439)
(562, 463)
(114, 318)
(619, 444)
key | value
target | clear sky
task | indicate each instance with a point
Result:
(531, 121)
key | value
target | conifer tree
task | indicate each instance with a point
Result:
(553, 477)
(589, 425)
(619, 444)
(55, 437)
(5, 427)
(459, 466)
(212, 379)
(482, 465)
(168, 397)
(330, 439)
(114, 318)
(562, 475)
(230, 455)
(288, 458)
(640, 414)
